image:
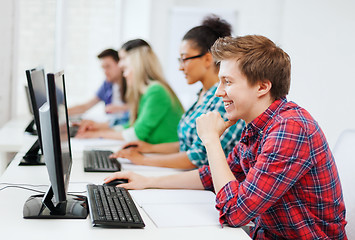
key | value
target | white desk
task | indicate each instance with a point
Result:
(13, 138)
(14, 226)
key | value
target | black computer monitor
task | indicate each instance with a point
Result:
(56, 203)
(31, 129)
(38, 96)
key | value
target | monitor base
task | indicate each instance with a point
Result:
(75, 207)
(32, 160)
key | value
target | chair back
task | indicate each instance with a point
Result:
(344, 154)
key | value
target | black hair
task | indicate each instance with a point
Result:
(109, 53)
(134, 43)
(204, 36)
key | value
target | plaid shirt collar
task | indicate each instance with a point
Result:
(206, 98)
(257, 126)
(209, 93)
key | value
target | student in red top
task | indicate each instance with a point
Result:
(281, 175)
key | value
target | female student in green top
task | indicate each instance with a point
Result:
(155, 110)
(198, 66)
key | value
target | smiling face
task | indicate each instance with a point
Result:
(239, 97)
(194, 69)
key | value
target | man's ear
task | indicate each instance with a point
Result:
(264, 87)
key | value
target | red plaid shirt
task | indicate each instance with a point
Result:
(286, 179)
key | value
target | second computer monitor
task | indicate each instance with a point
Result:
(37, 96)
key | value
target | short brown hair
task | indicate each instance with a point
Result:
(109, 53)
(259, 59)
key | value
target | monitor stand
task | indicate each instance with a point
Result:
(41, 206)
(32, 156)
(30, 128)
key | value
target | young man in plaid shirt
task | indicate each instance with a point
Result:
(281, 175)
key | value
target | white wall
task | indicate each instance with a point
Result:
(6, 59)
(166, 34)
(136, 19)
(65, 34)
(318, 35)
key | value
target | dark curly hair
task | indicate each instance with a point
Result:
(204, 36)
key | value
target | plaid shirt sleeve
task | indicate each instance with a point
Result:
(284, 159)
(205, 174)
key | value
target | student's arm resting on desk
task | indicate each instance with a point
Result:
(109, 134)
(184, 180)
(145, 147)
(79, 109)
(178, 160)
(89, 125)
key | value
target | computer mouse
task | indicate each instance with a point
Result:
(115, 182)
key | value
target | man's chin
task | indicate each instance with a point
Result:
(232, 117)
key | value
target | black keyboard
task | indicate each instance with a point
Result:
(99, 161)
(112, 207)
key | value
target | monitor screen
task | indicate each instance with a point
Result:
(38, 94)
